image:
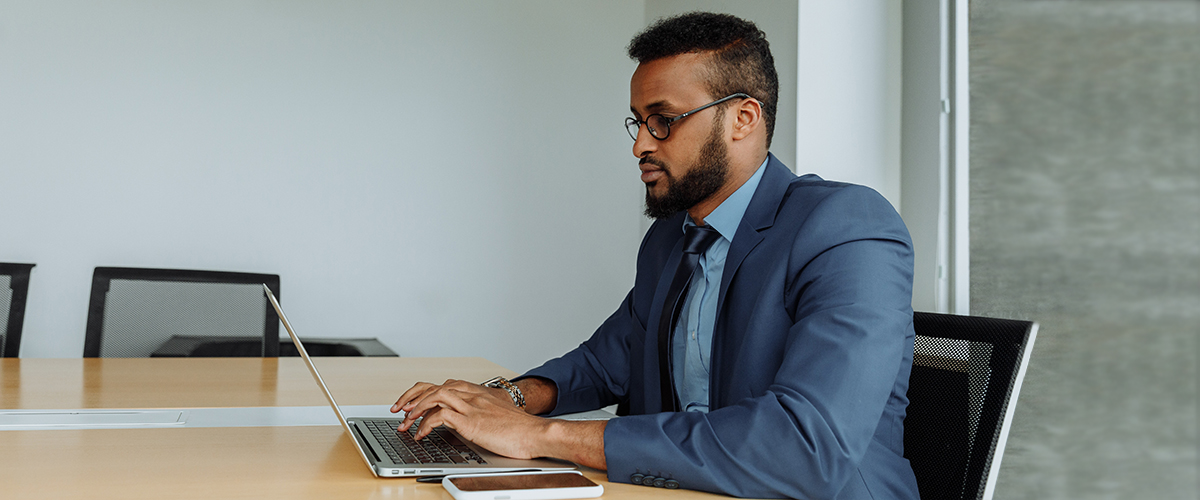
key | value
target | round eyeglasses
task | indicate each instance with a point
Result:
(659, 126)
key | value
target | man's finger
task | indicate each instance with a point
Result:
(442, 414)
(433, 417)
(413, 394)
(441, 397)
(408, 395)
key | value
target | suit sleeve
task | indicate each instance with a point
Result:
(848, 302)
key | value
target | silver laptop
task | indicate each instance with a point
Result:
(392, 453)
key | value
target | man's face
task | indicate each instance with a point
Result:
(692, 163)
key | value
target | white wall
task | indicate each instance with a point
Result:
(936, 119)
(926, 150)
(451, 177)
(849, 92)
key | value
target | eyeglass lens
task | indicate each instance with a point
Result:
(658, 127)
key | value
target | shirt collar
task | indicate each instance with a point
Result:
(728, 215)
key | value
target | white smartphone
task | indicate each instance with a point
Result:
(542, 485)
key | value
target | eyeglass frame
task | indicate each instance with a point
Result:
(629, 121)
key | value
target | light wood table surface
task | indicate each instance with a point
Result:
(295, 462)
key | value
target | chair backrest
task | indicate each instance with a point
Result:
(14, 288)
(966, 376)
(133, 311)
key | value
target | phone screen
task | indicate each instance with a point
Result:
(521, 482)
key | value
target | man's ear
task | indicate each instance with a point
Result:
(748, 118)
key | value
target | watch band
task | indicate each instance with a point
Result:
(513, 391)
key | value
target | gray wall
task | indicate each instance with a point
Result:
(429, 173)
(1085, 216)
(452, 177)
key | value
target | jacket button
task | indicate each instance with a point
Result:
(648, 480)
(659, 482)
(636, 478)
(671, 484)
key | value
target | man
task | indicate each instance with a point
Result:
(768, 358)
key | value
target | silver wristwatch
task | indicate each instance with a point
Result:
(513, 391)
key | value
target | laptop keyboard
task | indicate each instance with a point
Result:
(439, 447)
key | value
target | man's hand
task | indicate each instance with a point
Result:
(488, 417)
(485, 415)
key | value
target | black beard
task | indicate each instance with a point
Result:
(707, 176)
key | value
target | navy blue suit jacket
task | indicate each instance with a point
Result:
(811, 353)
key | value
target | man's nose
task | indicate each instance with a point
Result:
(645, 143)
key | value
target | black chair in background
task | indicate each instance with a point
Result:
(966, 376)
(14, 288)
(133, 311)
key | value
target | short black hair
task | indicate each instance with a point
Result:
(740, 55)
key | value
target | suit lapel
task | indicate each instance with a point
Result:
(760, 216)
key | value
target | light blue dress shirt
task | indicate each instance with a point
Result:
(692, 341)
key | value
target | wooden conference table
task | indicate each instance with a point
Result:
(292, 462)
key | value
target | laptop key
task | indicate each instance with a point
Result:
(440, 447)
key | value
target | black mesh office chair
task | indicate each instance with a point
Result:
(14, 287)
(966, 376)
(134, 311)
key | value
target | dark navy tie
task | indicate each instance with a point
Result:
(696, 239)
